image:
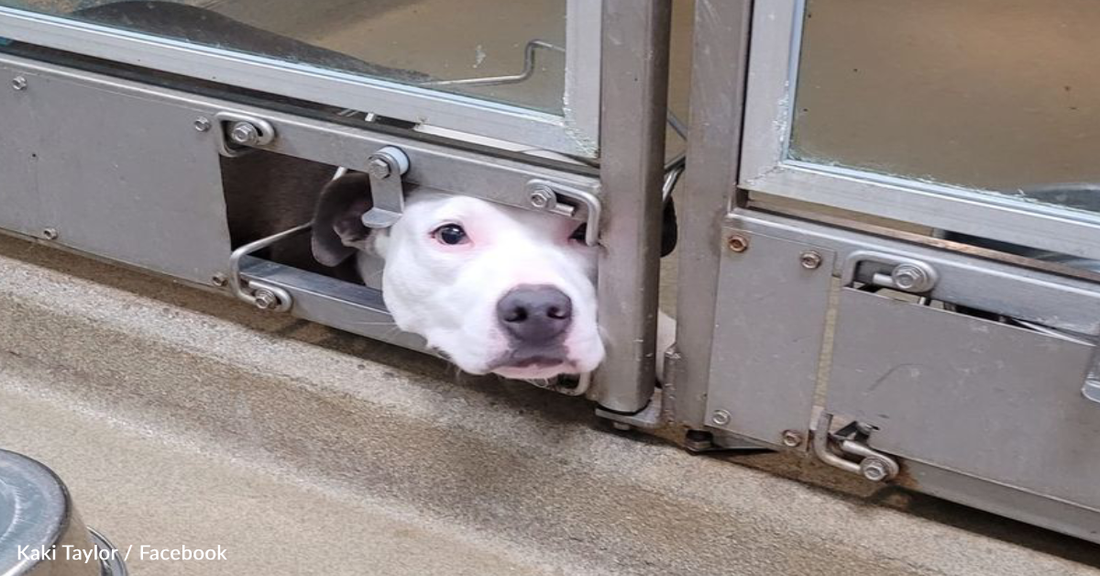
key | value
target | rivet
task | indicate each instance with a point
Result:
(737, 242)
(720, 417)
(791, 438)
(810, 259)
(50, 234)
(202, 124)
(219, 280)
(19, 83)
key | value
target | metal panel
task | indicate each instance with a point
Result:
(718, 78)
(635, 92)
(970, 395)
(1000, 499)
(118, 175)
(765, 167)
(769, 326)
(972, 279)
(451, 111)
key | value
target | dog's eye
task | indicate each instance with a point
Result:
(580, 233)
(451, 234)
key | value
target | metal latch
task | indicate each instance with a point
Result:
(889, 271)
(386, 187)
(259, 294)
(563, 200)
(832, 449)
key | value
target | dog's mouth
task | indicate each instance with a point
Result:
(525, 365)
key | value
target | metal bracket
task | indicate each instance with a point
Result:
(905, 274)
(829, 447)
(563, 200)
(260, 295)
(386, 187)
(238, 133)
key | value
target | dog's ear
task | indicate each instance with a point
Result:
(338, 230)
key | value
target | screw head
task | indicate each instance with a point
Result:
(720, 417)
(202, 124)
(737, 242)
(810, 260)
(50, 234)
(219, 280)
(541, 197)
(909, 277)
(19, 83)
(266, 300)
(791, 439)
(379, 168)
(244, 133)
(874, 469)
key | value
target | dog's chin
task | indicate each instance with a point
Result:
(535, 372)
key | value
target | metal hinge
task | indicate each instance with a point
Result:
(836, 449)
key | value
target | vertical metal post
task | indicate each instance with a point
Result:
(719, 63)
(634, 96)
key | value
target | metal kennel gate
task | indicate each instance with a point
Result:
(114, 130)
(904, 330)
(896, 349)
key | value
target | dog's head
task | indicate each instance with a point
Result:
(495, 288)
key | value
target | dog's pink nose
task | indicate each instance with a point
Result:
(535, 314)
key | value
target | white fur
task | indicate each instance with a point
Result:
(449, 294)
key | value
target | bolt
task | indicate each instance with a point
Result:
(50, 234)
(266, 300)
(874, 469)
(202, 124)
(698, 440)
(219, 280)
(909, 277)
(810, 260)
(542, 197)
(720, 417)
(19, 83)
(244, 133)
(737, 243)
(379, 168)
(621, 426)
(791, 439)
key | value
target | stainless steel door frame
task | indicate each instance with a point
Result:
(635, 90)
(719, 64)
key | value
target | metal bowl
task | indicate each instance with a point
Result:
(37, 520)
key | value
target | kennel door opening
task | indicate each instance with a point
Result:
(524, 71)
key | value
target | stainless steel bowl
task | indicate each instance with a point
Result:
(37, 520)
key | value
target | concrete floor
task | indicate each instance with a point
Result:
(178, 417)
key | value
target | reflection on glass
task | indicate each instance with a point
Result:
(423, 42)
(1000, 95)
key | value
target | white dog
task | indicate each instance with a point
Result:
(494, 288)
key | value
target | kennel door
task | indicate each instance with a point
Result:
(526, 72)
